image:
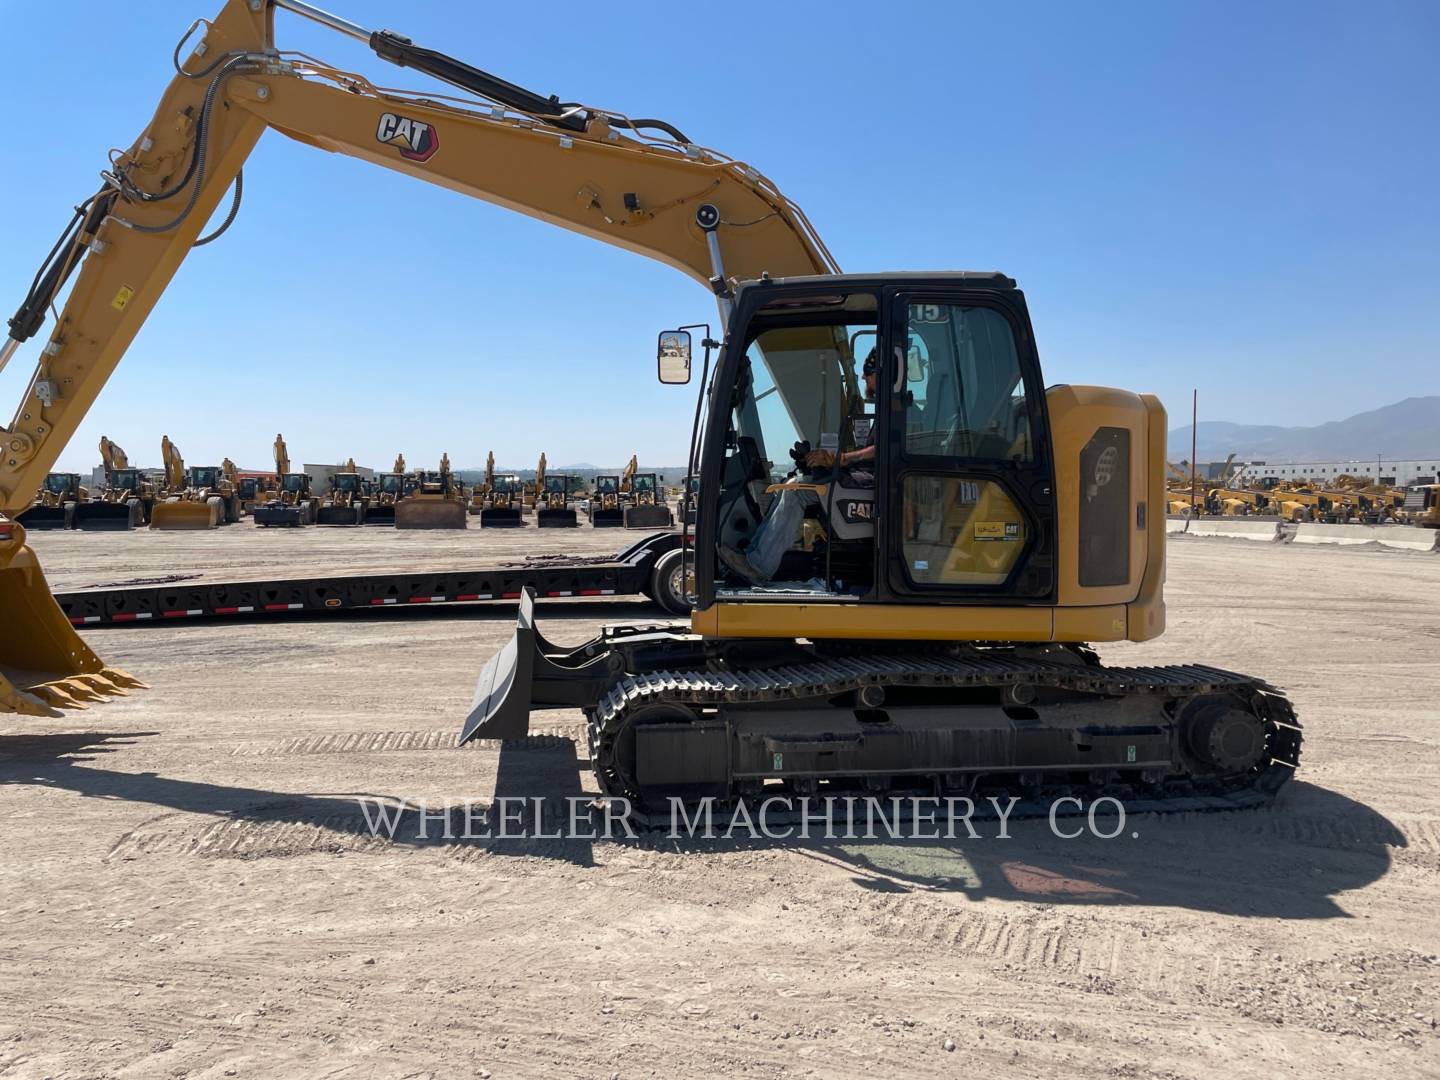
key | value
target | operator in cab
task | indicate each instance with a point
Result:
(776, 533)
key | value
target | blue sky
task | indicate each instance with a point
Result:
(1240, 197)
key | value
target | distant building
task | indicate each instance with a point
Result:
(1398, 473)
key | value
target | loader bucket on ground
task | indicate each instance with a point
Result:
(429, 514)
(185, 514)
(289, 515)
(48, 517)
(338, 515)
(555, 519)
(110, 516)
(648, 517)
(379, 515)
(501, 517)
(612, 517)
(45, 666)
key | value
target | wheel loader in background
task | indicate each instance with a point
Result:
(605, 509)
(293, 504)
(198, 497)
(926, 630)
(55, 503)
(125, 500)
(435, 503)
(647, 508)
(346, 502)
(390, 488)
(500, 508)
(552, 507)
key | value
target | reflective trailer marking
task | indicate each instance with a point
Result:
(284, 607)
(384, 600)
(426, 600)
(179, 614)
(233, 610)
(130, 616)
(84, 619)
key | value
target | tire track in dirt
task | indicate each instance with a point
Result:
(366, 742)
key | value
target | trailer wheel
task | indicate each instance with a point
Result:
(667, 582)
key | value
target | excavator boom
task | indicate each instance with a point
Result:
(638, 184)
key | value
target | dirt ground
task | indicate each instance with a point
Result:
(188, 887)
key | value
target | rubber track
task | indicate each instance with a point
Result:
(826, 678)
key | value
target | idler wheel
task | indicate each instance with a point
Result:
(1226, 737)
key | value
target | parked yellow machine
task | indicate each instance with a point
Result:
(199, 497)
(436, 502)
(926, 635)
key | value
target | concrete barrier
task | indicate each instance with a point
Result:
(1265, 529)
(1400, 537)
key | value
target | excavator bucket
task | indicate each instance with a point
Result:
(44, 664)
(187, 514)
(421, 513)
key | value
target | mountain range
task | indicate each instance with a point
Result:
(1406, 430)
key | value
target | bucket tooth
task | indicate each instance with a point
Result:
(79, 690)
(24, 702)
(100, 685)
(58, 694)
(123, 678)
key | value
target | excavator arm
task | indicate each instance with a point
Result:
(635, 183)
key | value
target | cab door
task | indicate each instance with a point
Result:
(970, 503)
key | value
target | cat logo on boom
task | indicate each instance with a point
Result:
(415, 140)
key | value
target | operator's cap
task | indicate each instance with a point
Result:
(871, 363)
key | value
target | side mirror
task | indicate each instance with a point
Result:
(674, 357)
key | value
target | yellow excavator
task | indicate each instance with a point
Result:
(435, 503)
(199, 497)
(125, 500)
(903, 540)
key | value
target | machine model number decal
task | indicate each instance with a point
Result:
(415, 140)
(997, 530)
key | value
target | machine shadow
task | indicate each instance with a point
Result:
(1288, 861)
(544, 769)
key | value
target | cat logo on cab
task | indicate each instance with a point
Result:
(415, 140)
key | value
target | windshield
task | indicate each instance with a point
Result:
(607, 485)
(798, 384)
(555, 484)
(347, 482)
(294, 482)
(57, 483)
(203, 476)
(644, 482)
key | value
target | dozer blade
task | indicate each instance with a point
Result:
(184, 514)
(530, 672)
(45, 666)
(430, 514)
